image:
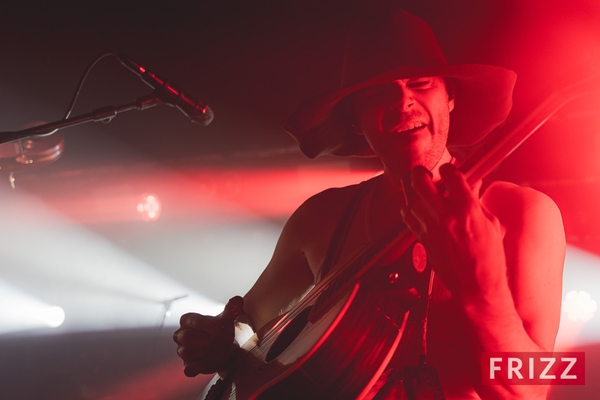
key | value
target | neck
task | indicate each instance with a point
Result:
(392, 179)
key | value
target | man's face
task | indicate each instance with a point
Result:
(405, 122)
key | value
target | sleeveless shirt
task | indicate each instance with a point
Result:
(445, 340)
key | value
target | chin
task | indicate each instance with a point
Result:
(404, 157)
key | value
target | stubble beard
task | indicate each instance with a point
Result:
(414, 154)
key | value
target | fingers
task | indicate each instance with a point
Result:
(457, 188)
(192, 337)
(191, 353)
(196, 334)
(200, 322)
(192, 345)
(192, 368)
(453, 194)
(204, 343)
(434, 204)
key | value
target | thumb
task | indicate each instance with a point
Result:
(233, 309)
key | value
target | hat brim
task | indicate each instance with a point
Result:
(483, 99)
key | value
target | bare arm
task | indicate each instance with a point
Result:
(205, 343)
(526, 311)
(535, 251)
(502, 260)
(297, 256)
(284, 281)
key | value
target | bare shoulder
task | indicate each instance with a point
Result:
(310, 227)
(307, 231)
(531, 220)
(516, 205)
(329, 201)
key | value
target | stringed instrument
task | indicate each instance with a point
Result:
(338, 340)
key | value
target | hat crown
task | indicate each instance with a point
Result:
(385, 39)
(387, 44)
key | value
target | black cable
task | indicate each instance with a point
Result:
(82, 81)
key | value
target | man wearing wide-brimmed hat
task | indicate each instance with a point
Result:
(497, 258)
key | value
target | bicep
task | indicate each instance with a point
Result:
(296, 259)
(286, 278)
(535, 249)
(279, 287)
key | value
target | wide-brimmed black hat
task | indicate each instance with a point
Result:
(384, 46)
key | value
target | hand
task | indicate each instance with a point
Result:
(463, 240)
(205, 343)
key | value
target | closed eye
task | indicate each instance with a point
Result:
(423, 83)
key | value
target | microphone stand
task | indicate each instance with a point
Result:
(104, 114)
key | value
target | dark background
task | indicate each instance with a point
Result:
(252, 62)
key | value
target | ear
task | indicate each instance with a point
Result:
(450, 89)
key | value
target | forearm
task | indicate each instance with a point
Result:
(496, 326)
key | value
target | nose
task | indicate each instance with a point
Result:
(403, 97)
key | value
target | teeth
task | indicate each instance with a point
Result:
(411, 126)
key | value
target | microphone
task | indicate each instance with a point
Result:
(193, 108)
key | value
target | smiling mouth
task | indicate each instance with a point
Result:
(409, 128)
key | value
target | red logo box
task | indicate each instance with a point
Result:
(533, 368)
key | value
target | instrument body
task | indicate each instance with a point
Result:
(339, 354)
